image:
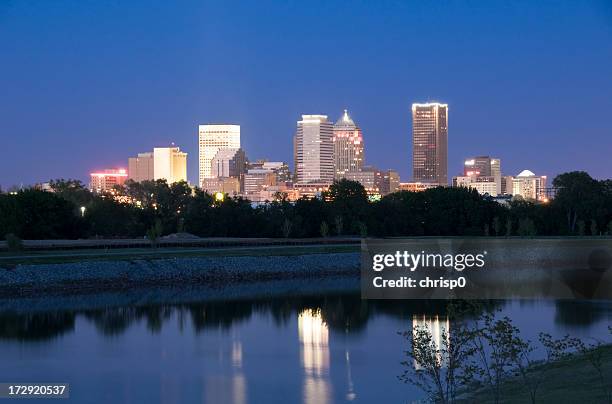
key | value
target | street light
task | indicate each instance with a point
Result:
(219, 196)
(82, 211)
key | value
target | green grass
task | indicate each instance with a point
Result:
(570, 381)
(11, 259)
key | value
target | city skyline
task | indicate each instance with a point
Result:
(90, 84)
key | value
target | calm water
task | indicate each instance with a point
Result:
(286, 350)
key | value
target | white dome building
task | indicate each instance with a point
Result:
(529, 186)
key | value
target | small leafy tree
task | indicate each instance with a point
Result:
(581, 227)
(286, 228)
(324, 229)
(497, 227)
(154, 233)
(593, 228)
(509, 227)
(526, 227)
(363, 229)
(338, 225)
(13, 242)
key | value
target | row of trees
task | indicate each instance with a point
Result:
(582, 206)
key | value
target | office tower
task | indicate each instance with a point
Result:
(314, 150)
(226, 185)
(496, 168)
(484, 184)
(480, 165)
(280, 169)
(170, 164)
(529, 186)
(482, 173)
(390, 182)
(348, 146)
(229, 163)
(430, 143)
(140, 168)
(102, 181)
(211, 138)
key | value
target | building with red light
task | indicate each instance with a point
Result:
(102, 181)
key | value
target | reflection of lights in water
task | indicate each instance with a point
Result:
(237, 354)
(350, 394)
(437, 326)
(314, 339)
(232, 389)
(314, 346)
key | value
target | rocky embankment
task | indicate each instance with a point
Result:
(216, 273)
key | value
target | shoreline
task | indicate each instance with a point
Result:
(212, 274)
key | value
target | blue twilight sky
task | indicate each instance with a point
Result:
(84, 84)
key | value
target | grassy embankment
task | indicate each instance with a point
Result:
(10, 259)
(573, 380)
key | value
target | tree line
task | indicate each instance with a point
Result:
(582, 206)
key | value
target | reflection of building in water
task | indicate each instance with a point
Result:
(237, 354)
(221, 389)
(314, 349)
(350, 394)
(228, 386)
(437, 326)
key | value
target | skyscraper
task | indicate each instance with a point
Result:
(479, 165)
(430, 143)
(482, 173)
(212, 138)
(314, 150)
(170, 164)
(348, 146)
(140, 168)
(229, 163)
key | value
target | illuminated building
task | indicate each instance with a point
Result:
(370, 178)
(164, 163)
(229, 163)
(311, 190)
(482, 165)
(102, 181)
(529, 186)
(257, 180)
(280, 169)
(140, 168)
(390, 182)
(416, 186)
(314, 150)
(264, 179)
(348, 146)
(430, 143)
(375, 181)
(483, 184)
(170, 164)
(212, 138)
(226, 185)
(483, 174)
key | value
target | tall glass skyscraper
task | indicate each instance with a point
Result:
(212, 138)
(430, 143)
(314, 150)
(348, 146)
